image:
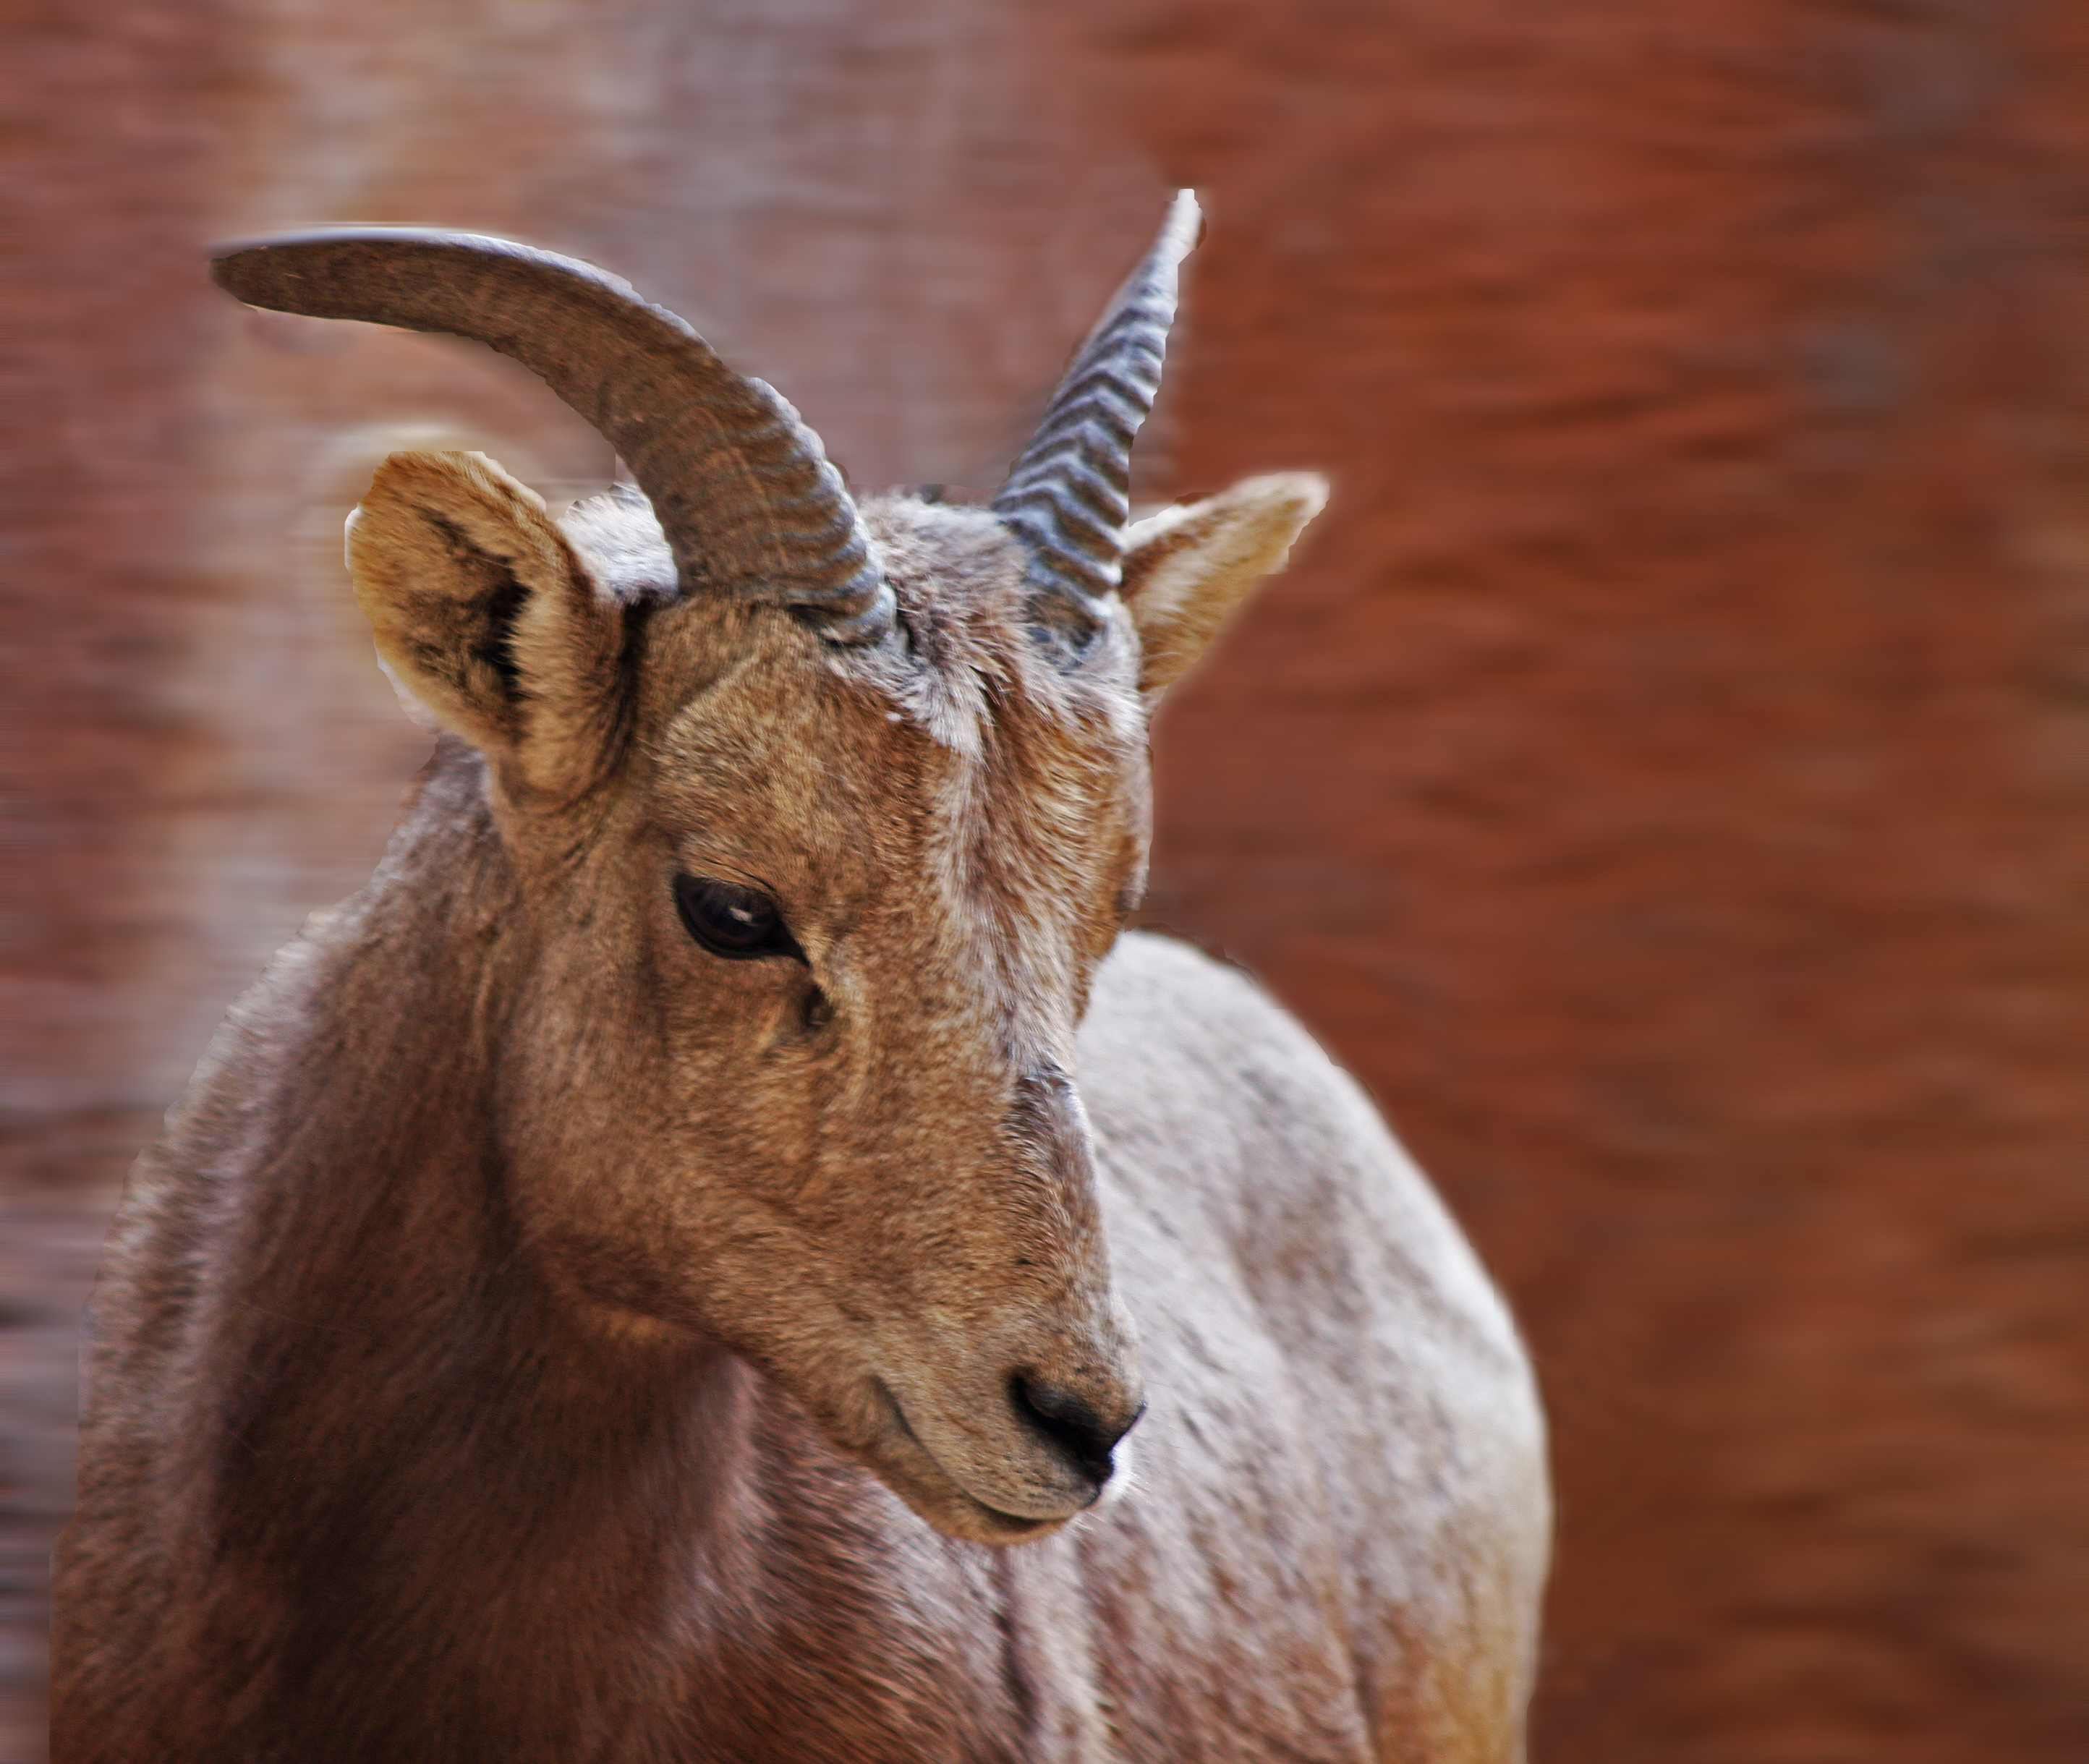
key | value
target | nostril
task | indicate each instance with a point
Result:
(1069, 1423)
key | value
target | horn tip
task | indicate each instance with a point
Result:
(1185, 218)
(253, 269)
(264, 268)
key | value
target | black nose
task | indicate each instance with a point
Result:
(1071, 1425)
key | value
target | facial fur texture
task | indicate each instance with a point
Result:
(953, 826)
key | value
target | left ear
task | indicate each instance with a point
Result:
(485, 615)
(1186, 568)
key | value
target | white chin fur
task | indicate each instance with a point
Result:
(1121, 1478)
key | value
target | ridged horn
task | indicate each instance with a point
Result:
(742, 488)
(1069, 496)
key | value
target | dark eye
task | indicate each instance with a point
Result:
(733, 920)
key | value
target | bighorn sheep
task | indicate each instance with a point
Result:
(614, 1279)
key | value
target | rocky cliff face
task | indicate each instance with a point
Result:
(1663, 779)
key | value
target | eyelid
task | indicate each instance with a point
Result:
(705, 860)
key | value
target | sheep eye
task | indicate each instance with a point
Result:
(733, 920)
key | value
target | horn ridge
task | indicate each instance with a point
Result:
(742, 489)
(1069, 495)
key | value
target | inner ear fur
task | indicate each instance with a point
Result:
(484, 614)
(1186, 568)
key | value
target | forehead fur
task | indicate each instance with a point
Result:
(942, 559)
(958, 576)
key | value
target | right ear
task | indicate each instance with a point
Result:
(1185, 569)
(487, 617)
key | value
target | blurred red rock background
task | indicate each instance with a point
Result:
(1665, 780)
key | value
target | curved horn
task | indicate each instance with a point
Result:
(742, 488)
(1069, 496)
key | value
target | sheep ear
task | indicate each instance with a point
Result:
(486, 617)
(1185, 569)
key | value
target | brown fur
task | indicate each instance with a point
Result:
(537, 1339)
